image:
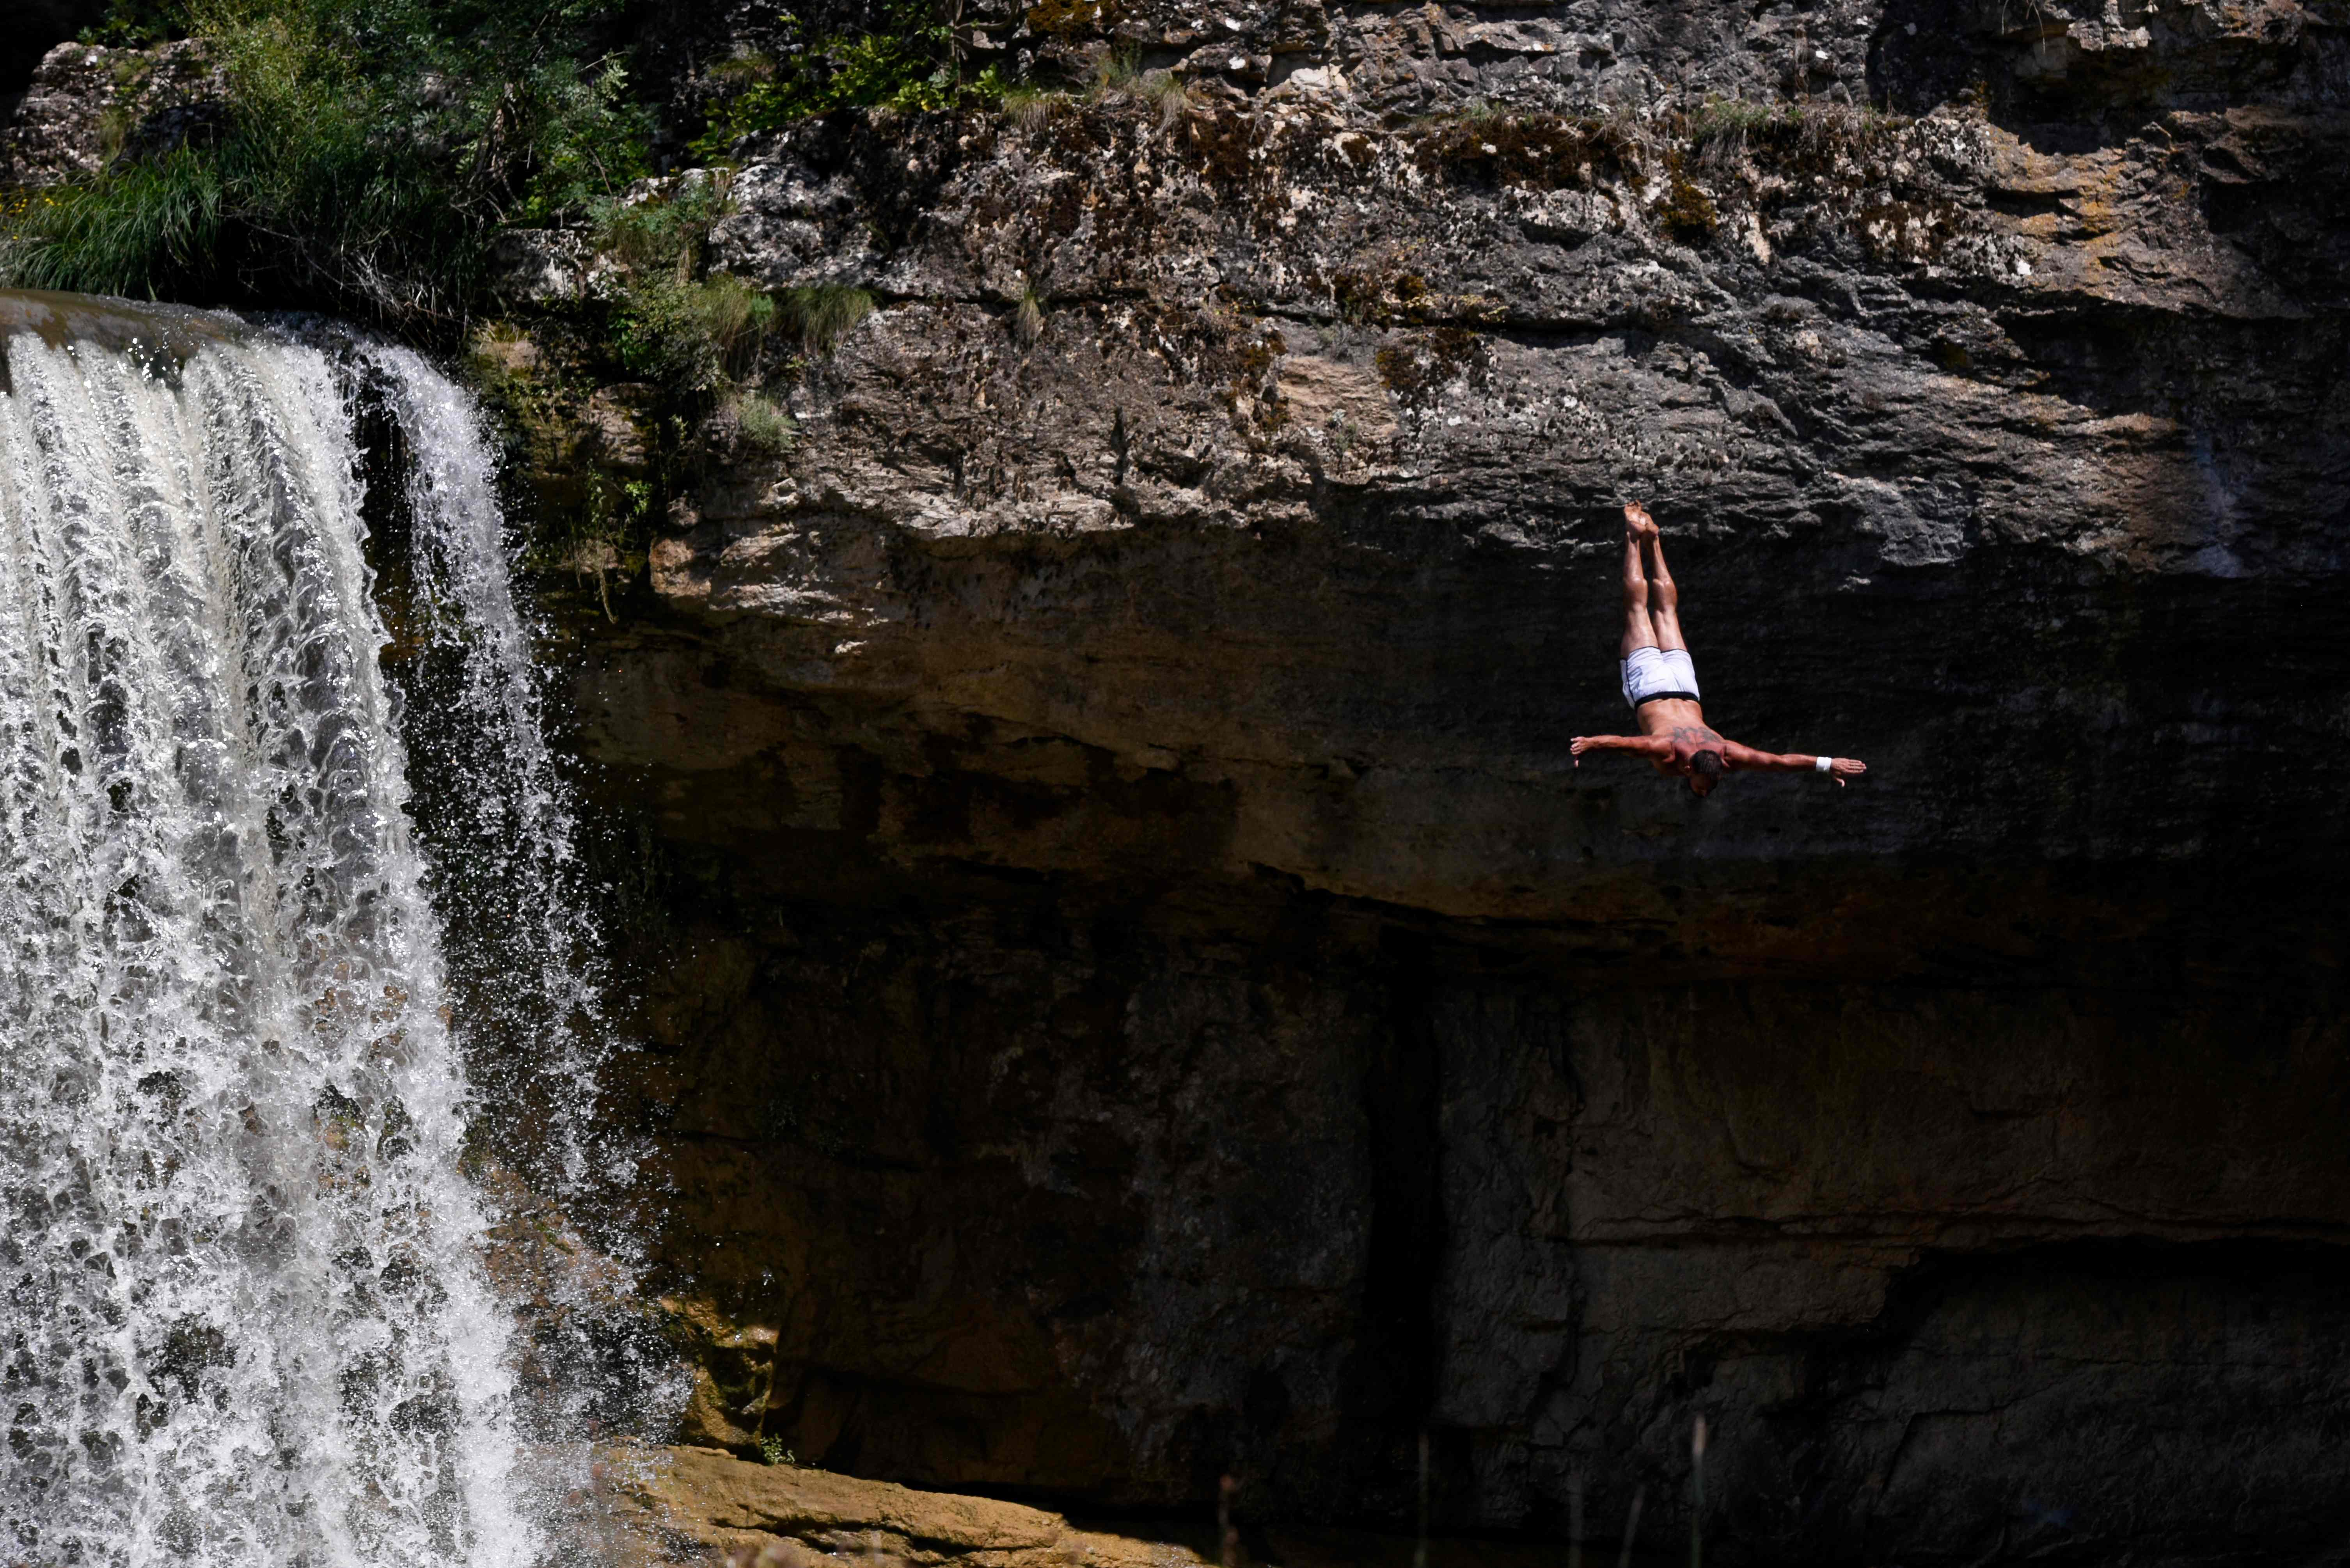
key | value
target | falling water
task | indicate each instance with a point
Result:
(247, 1320)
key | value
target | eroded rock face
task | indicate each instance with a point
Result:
(1147, 993)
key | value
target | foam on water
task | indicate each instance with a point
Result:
(246, 1319)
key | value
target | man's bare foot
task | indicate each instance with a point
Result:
(1637, 523)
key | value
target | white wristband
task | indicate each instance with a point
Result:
(1822, 763)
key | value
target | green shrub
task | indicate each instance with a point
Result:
(669, 323)
(135, 23)
(371, 150)
(689, 337)
(670, 229)
(911, 62)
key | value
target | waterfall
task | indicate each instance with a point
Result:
(248, 1316)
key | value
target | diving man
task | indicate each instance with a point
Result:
(1660, 683)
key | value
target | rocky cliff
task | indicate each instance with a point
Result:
(1147, 994)
(1136, 988)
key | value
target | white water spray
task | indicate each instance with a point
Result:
(246, 1320)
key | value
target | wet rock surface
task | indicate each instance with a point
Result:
(1140, 989)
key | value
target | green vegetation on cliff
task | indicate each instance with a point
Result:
(914, 60)
(369, 151)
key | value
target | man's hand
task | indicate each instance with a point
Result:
(1843, 768)
(1650, 746)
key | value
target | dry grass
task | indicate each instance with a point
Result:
(1032, 109)
(824, 313)
(1028, 317)
(1168, 93)
(1116, 73)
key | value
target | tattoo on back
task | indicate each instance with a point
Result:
(1696, 736)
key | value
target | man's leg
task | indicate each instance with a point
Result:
(1637, 631)
(1664, 598)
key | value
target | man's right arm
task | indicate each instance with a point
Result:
(1837, 768)
(1650, 746)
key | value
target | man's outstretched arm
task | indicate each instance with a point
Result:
(1651, 746)
(1747, 757)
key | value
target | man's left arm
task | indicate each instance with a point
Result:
(1837, 768)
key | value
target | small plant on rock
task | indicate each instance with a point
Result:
(821, 314)
(672, 322)
(1028, 315)
(1167, 92)
(1116, 73)
(761, 424)
(1031, 109)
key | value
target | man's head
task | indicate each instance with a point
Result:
(1704, 772)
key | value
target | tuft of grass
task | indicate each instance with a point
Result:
(1116, 73)
(732, 314)
(821, 314)
(1725, 131)
(1721, 118)
(765, 426)
(1028, 317)
(1168, 93)
(1718, 133)
(153, 230)
(1031, 109)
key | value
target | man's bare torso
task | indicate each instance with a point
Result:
(1682, 722)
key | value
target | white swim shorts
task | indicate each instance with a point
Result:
(1652, 673)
